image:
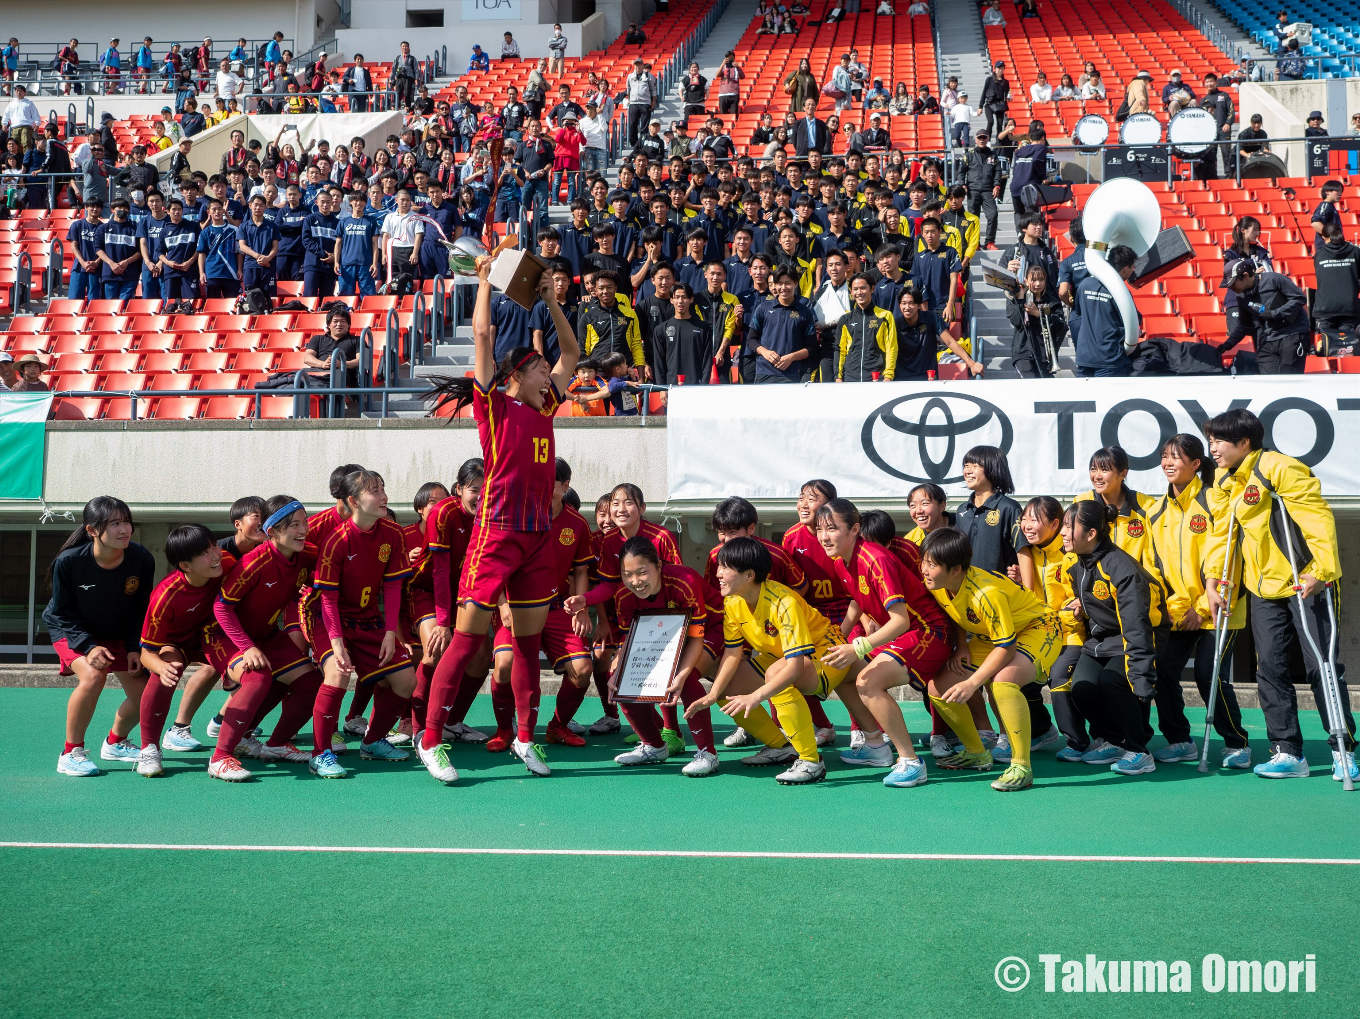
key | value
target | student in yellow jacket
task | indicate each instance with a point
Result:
(1267, 492)
(1182, 524)
(868, 342)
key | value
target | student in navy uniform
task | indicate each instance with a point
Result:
(1327, 211)
(319, 233)
(434, 257)
(84, 237)
(149, 231)
(356, 250)
(1029, 166)
(289, 221)
(120, 254)
(577, 238)
(888, 290)
(510, 326)
(1072, 272)
(654, 305)
(738, 264)
(177, 253)
(689, 268)
(258, 244)
(935, 270)
(1100, 347)
(543, 331)
(218, 255)
(101, 584)
(782, 333)
(606, 257)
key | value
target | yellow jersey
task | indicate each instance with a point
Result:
(1050, 563)
(994, 607)
(781, 625)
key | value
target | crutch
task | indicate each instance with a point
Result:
(1225, 587)
(1330, 682)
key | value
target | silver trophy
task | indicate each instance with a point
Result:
(463, 255)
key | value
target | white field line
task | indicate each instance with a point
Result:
(685, 853)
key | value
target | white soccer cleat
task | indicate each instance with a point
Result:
(436, 761)
(643, 753)
(739, 737)
(856, 739)
(356, 726)
(771, 755)
(703, 764)
(802, 773)
(180, 741)
(287, 752)
(250, 747)
(940, 746)
(533, 757)
(460, 733)
(77, 764)
(149, 764)
(228, 769)
(123, 750)
(826, 736)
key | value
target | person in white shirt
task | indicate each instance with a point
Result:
(992, 15)
(1093, 88)
(594, 153)
(961, 121)
(509, 48)
(919, 7)
(886, 7)
(1041, 91)
(22, 117)
(228, 84)
(403, 232)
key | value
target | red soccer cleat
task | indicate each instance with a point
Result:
(561, 734)
(500, 743)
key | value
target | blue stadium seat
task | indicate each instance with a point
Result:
(1336, 30)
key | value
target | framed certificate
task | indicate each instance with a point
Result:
(651, 656)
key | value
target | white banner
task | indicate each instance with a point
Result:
(491, 10)
(879, 440)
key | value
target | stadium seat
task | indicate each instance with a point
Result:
(1317, 365)
(254, 361)
(167, 361)
(119, 362)
(205, 361)
(229, 408)
(176, 408)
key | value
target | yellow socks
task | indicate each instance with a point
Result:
(759, 724)
(1014, 710)
(796, 720)
(960, 719)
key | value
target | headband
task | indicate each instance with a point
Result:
(282, 514)
(525, 360)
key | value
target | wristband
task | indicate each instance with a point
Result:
(863, 647)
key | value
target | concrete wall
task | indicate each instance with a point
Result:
(1284, 107)
(95, 23)
(378, 27)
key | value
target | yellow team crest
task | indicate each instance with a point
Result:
(863, 586)
(384, 553)
(993, 517)
(131, 584)
(1101, 590)
(567, 536)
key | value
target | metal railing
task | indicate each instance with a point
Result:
(381, 101)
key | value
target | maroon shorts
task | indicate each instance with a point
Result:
(714, 643)
(115, 648)
(560, 642)
(282, 651)
(416, 607)
(516, 563)
(922, 652)
(191, 650)
(363, 641)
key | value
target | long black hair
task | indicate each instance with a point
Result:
(995, 467)
(1189, 447)
(1091, 515)
(458, 391)
(99, 513)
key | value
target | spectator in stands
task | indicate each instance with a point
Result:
(1314, 128)
(992, 15)
(835, 14)
(950, 96)
(403, 77)
(1336, 308)
(635, 36)
(1093, 87)
(651, 145)
(1029, 167)
(1137, 95)
(694, 90)
(22, 117)
(357, 79)
(1281, 311)
(509, 48)
(336, 343)
(31, 368)
(557, 50)
(885, 8)
(812, 134)
(229, 84)
(840, 84)
(985, 180)
(1041, 91)
(1177, 95)
(768, 25)
(479, 60)
(918, 7)
(926, 104)
(567, 144)
(1280, 30)
(1289, 62)
(641, 99)
(9, 375)
(536, 159)
(68, 65)
(878, 97)
(111, 66)
(996, 94)
(1252, 140)
(1028, 8)
(595, 152)
(961, 121)
(1220, 107)
(536, 89)
(800, 86)
(728, 77)
(1066, 89)
(902, 103)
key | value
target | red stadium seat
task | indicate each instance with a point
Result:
(156, 341)
(175, 383)
(117, 342)
(254, 361)
(197, 341)
(276, 408)
(163, 362)
(203, 361)
(176, 408)
(1348, 365)
(120, 362)
(229, 408)
(1317, 366)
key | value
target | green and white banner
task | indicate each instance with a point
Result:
(23, 423)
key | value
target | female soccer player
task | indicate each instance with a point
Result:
(417, 604)
(649, 585)
(991, 520)
(172, 634)
(1183, 522)
(448, 526)
(877, 526)
(1007, 638)
(909, 641)
(101, 581)
(361, 564)
(604, 644)
(789, 642)
(508, 550)
(926, 505)
(1042, 523)
(244, 644)
(1115, 679)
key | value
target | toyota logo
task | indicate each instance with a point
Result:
(936, 422)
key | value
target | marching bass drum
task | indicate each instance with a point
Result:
(1141, 129)
(1191, 132)
(1091, 132)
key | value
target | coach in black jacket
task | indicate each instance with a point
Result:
(1280, 308)
(985, 180)
(811, 133)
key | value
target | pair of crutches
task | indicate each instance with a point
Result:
(1330, 680)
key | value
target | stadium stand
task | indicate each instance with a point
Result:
(1336, 29)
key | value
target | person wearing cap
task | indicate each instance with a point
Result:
(1315, 128)
(22, 117)
(1281, 311)
(1137, 95)
(595, 153)
(1177, 95)
(995, 100)
(877, 97)
(652, 144)
(9, 375)
(120, 253)
(875, 136)
(640, 99)
(479, 60)
(961, 122)
(30, 367)
(568, 141)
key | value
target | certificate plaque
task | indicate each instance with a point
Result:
(651, 657)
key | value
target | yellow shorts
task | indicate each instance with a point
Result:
(827, 677)
(1041, 642)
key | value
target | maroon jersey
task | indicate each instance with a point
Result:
(521, 461)
(571, 547)
(178, 611)
(823, 590)
(908, 554)
(357, 563)
(448, 528)
(681, 590)
(262, 584)
(783, 568)
(321, 525)
(414, 536)
(612, 544)
(877, 580)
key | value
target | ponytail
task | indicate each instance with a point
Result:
(458, 391)
(99, 514)
(1091, 515)
(842, 508)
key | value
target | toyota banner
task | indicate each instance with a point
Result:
(878, 440)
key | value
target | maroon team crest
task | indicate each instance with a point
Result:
(1252, 495)
(1198, 525)
(1135, 528)
(973, 617)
